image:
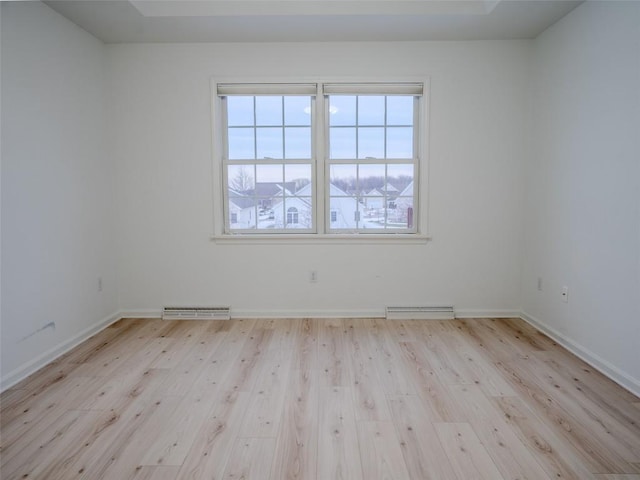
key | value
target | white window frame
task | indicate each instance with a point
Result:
(322, 231)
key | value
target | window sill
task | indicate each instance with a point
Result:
(314, 238)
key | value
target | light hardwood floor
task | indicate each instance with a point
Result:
(319, 399)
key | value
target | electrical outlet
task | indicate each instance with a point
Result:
(565, 294)
(313, 276)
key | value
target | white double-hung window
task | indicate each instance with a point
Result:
(268, 157)
(323, 159)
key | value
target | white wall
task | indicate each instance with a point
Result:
(160, 106)
(583, 186)
(57, 188)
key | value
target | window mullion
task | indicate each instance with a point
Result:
(385, 129)
(386, 192)
(417, 155)
(321, 112)
(284, 146)
(255, 131)
(357, 130)
(225, 164)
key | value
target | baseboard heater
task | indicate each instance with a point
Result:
(420, 313)
(196, 313)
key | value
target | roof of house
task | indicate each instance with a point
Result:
(240, 200)
(271, 189)
(408, 190)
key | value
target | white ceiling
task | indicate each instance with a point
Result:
(122, 21)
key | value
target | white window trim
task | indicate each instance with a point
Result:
(321, 235)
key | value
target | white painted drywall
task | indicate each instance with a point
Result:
(57, 187)
(161, 110)
(583, 185)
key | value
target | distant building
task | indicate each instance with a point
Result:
(373, 199)
(242, 211)
(293, 210)
(403, 212)
(343, 209)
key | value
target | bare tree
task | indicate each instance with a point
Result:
(301, 183)
(242, 180)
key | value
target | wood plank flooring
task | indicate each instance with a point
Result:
(319, 399)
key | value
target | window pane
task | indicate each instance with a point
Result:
(241, 144)
(298, 212)
(269, 143)
(342, 110)
(370, 142)
(399, 142)
(346, 209)
(342, 142)
(241, 178)
(268, 110)
(297, 142)
(342, 179)
(374, 210)
(401, 216)
(240, 111)
(371, 110)
(240, 219)
(297, 110)
(266, 215)
(400, 110)
(372, 201)
(242, 211)
(276, 213)
(292, 216)
(268, 192)
(298, 179)
(401, 177)
(371, 179)
(269, 174)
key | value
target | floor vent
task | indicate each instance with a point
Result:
(420, 313)
(196, 313)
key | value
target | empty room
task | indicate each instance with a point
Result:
(318, 240)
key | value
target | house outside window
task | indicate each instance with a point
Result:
(320, 159)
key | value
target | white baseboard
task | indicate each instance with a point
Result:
(470, 313)
(307, 313)
(157, 313)
(603, 366)
(49, 356)
(321, 313)
(141, 313)
(373, 313)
